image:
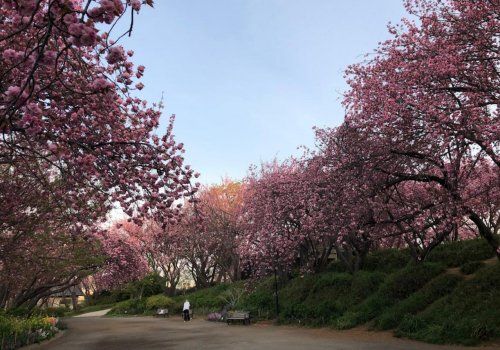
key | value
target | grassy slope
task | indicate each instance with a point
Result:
(451, 298)
(425, 302)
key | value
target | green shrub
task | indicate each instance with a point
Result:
(387, 260)
(18, 312)
(207, 300)
(60, 311)
(469, 315)
(418, 301)
(471, 267)
(337, 266)
(260, 301)
(348, 320)
(396, 287)
(454, 254)
(159, 302)
(364, 284)
(321, 299)
(16, 332)
(151, 284)
(129, 307)
(401, 284)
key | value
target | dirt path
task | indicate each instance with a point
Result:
(172, 333)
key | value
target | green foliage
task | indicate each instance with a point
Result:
(108, 297)
(159, 301)
(23, 312)
(396, 287)
(454, 254)
(312, 299)
(16, 332)
(337, 266)
(469, 315)
(232, 296)
(260, 301)
(129, 307)
(204, 300)
(151, 284)
(387, 260)
(471, 267)
(418, 301)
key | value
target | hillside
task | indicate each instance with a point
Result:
(453, 298)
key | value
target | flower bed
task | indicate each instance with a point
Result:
(16, 332)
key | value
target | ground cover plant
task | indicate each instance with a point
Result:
(411, 299)
(468, 315)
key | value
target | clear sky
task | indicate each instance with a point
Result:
(248, 79)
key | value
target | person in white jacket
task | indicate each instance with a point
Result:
(185, 310)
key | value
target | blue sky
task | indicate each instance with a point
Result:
(248, 79)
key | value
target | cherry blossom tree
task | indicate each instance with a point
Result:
(162, 250)
(428, 100)
(287, 216)
(67, 105)
(124, 256)
(75, 141)
(221, 205)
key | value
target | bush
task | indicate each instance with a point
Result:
(159, 302)
(206, 300)
(129, 307)
(260, 301)
(55, 311)
(457, 253)
(320, 299)
(363, 285)
(396, 287)
(151, 284)
(337, 266)
(471, 267)
(418, 301)
(16, 332)
(469, 315)
(387, 260)
(401, 284)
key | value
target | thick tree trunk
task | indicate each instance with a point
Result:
(485, 232)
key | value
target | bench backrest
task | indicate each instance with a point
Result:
(238, 314)
(162, 311)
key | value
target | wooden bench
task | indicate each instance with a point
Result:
(162, 312)
(237, 316)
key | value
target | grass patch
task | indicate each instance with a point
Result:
(471, 267)
(458, 253)
(396, 287)
(469, 315)
(418, 301)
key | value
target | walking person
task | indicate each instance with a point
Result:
(185, 310)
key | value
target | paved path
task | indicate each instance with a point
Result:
(147, 333)
(95, 313)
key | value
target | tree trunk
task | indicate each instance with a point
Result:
(486, 233)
